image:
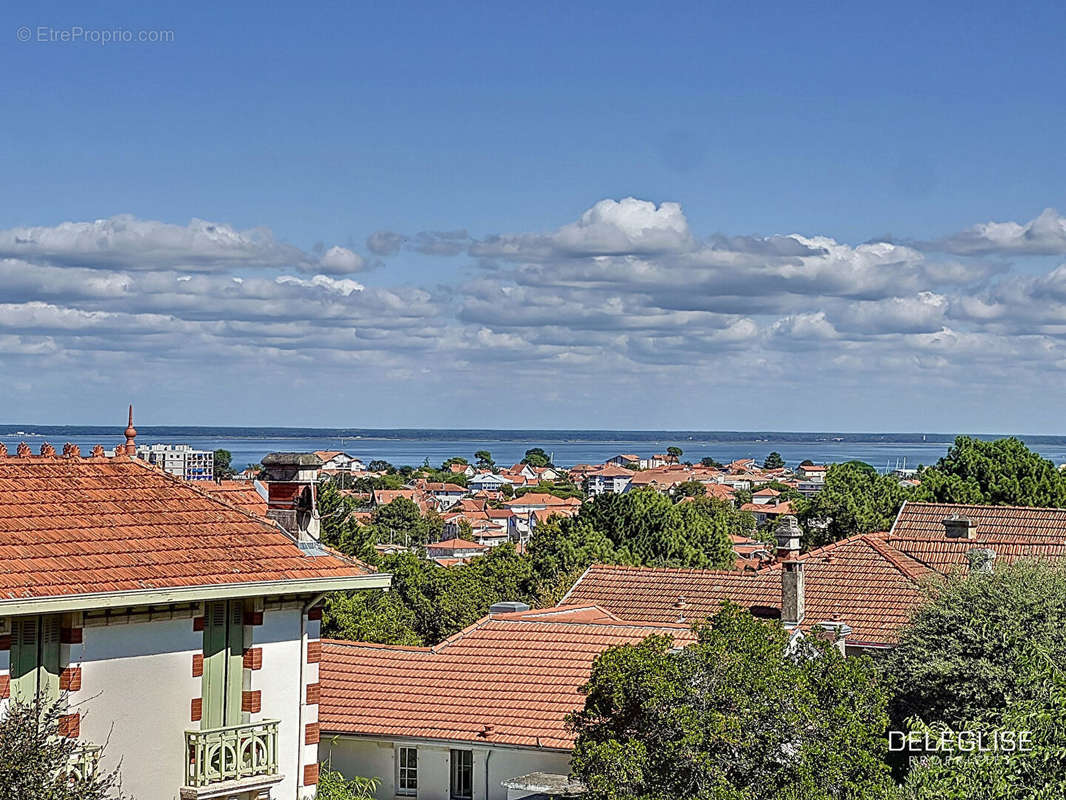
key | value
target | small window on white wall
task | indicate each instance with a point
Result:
(407, 771)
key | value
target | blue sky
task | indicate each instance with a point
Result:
(298, 130)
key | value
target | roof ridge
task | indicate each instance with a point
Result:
(376, 645)
(896, 558)
(926, 503)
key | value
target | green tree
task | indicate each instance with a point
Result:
(675, 452)
(773, 461)
(710, 463)
(964, 656)
(1035, 772)
(35, 759)
(401, 521)
(223, 467)
(484, 459)
(379, 465)
(854, 499)
(333, 785)
(734, 716)
(369, 616)
(536, 457)
(1000, 472)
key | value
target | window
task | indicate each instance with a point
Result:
(223, 664)
(35, 658)
(462, 775)
(407, 771)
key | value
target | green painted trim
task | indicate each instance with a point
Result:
(185, 594)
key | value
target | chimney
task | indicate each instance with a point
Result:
(290, 482)
(508, 607)
(836, 633)
(792, 588)
(788, 536)
(959, 527)
(982, 560)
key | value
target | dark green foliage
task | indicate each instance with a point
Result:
(1000, 472)
(484, 459)
(378, 465)
(369, 616)
(674, 451)
(536, 457)
(964, 655)
(223, 467)
(773, 461)
(707, 461)
(1037, 772)
(855, 499)
(560, 488)
(34, 757)
(732, 717)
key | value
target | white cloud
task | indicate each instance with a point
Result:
(1044, 235)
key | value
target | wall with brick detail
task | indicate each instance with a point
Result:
(314, 652)
(70, 635)
(198, 665)
(310, 774)
(70, 679)
(311, 733)
(70, 725)
(5, 686)
(314, 694)
(196, 709)
(253, 658)
(252, 701)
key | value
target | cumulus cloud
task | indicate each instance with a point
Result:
(625, 289)
(125, 242)
(1045, 235)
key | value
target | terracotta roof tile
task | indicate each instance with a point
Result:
(73, 526)
(518, 673)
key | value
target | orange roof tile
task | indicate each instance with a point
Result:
(73, 526)
(517, 673)
(239, 493)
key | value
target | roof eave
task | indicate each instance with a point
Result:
(185, 594)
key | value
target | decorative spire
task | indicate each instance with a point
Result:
(23, 450)
(71, 450)
(47, 450)
(3, 449)
(131, 434)
(98, 451)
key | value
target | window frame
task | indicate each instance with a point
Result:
(461, 760)
(406, 772)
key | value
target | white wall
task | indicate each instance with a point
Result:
(371, 758)
(137, 690)
(283, 696)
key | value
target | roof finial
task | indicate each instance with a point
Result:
(131, 434)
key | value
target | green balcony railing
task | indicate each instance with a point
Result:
(231, 753)
(84, 762)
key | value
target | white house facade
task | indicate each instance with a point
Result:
(178, 629)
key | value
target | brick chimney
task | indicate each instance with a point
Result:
(792, 578)
(291, 491)
(959, 527)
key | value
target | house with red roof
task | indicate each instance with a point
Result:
(338, 461)
(175, 625)
(608, 480)
(863, 587)
(475, 712)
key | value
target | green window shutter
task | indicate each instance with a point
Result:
(215, 655)
(48, 669)
(24, 663)
(235, 665)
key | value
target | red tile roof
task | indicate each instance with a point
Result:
(72, 526)
(455, 544)
(239, 493)
(508, 679)
(872, 581)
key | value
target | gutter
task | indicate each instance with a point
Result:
(184, 594)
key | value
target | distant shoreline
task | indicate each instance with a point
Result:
(512, 434)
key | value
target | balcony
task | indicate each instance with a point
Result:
(84, 762)
(237, 757)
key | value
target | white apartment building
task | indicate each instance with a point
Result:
(180, 460)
